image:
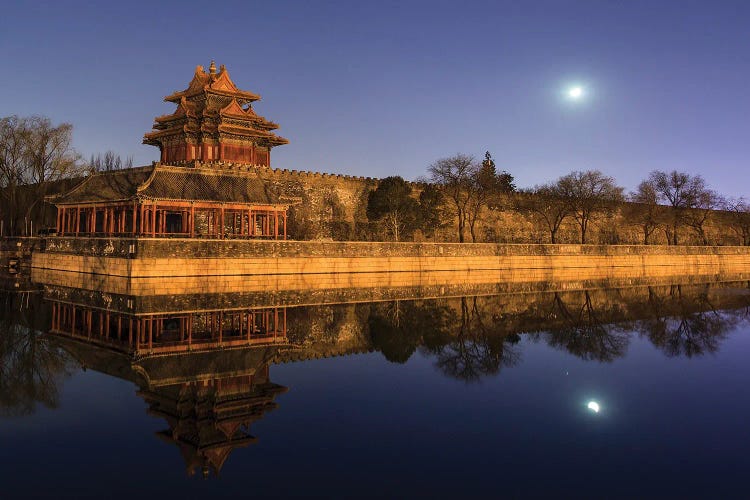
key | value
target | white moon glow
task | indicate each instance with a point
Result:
(575, 93)
(593, 406)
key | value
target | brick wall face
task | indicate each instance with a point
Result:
(165, 266)
(146, 248)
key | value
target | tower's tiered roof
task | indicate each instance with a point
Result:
(210, 112)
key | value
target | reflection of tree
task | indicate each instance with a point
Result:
(583, 333)
(685, 324)
(398, 328)
(30, 367)
(30, 370)
(474, 344)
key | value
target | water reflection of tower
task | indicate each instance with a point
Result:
(209, 418)
(206, 373)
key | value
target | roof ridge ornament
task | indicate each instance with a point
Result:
(212, 68)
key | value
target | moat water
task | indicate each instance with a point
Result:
(626, 392)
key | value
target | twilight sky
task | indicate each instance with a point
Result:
(387, 87)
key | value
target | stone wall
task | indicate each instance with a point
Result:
(333, 206)
(324, 206)
(149, 248)
(159, 266)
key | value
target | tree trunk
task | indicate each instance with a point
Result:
(703, 236)
(461, 226)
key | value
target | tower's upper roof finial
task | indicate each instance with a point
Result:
(212, 68)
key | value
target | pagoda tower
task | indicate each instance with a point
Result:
(214, 122)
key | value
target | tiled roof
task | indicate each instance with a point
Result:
(107, 186)
(170, 183)
(175, 183)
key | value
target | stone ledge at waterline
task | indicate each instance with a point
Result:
(141, 258)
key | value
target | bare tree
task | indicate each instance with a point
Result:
(682, 192)
(33, 154)
(644, 210)
(546, 206)
(706, 204)
(455, 176)
(49, 157)
(487, 186)
(109, 161)
(738, 211)
(469, 186)
(590, 194)
(13, 140)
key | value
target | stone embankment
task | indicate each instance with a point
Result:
(151, 266)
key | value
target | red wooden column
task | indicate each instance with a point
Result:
(78, 219)
(58, 222)
(153, 219)
(221, 226)
(251, 223)
(192, 221)
(276, 224)
(284, 224)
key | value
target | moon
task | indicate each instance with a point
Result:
(593, 406)
(575, 93)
